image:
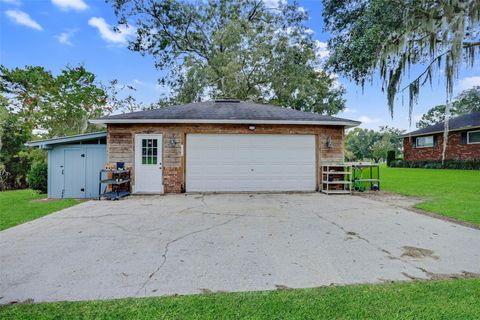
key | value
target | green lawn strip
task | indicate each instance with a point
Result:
(447, 299)
(19, 206)
(452, 193)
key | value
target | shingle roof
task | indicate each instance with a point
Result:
(225, 111)
(467, 121)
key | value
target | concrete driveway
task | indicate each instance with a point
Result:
(182, 244)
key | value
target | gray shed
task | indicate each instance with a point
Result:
(74, 163)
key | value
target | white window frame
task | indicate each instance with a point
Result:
(468, 137)
(416, 142)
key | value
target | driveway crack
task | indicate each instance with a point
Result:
(167, 246)
(351, 233)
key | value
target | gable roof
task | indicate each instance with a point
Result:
(68, 139)
(467, 121)
(226, 111)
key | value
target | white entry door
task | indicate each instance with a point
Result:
(148, 163)
(250, 162)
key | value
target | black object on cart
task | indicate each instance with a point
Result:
(119, 182)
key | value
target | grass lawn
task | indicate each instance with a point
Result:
(20, 206)
(448, 299)
(452, 193)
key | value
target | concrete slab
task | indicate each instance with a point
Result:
(184, 244)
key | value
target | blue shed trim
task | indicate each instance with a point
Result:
(65, 140)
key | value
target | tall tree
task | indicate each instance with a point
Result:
(432, 116)
(235, 49)
(56, 105)
(360, 142)
(392, 35)
(467, 101)
(13, 136)
(363, 144)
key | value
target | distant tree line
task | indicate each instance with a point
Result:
(366, 144)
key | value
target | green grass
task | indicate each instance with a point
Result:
(452, 193)
(19, 206)
(448, 299)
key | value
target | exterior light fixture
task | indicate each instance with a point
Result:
(329, 142)
(172, 141)
(251, 127)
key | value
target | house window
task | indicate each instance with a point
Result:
(149, 151)
(423, 142)
(473, 137)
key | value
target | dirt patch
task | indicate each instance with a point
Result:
(281, 287)
(445, 276)
(205, 290)
(391, 198)
(409, 203)
(418, 253)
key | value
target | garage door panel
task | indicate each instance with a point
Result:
(250, 162)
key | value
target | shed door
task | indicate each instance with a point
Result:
(74, 173)
(250, 162)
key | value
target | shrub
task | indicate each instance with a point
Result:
(433, 164)
(390, 156)
(37, 177)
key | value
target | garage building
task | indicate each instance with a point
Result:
(224, 146)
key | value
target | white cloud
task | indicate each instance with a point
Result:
(321, 49)
(349, 110)
(107, 32)
(301, 9)
(368, 120)
(78, 5)
(64, 37)
(14, 2)
(22, 18)
(469, 82)
(273, 4)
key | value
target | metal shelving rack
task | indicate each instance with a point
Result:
(359, 169)
(118, 180)
(337, 179)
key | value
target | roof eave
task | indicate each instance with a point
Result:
(62, 140)
(413, 134)
(346, 123)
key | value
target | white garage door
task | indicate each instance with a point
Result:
(250, 162)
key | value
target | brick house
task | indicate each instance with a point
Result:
(463, 141)
(224, 145)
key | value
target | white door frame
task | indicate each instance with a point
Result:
(148, 169)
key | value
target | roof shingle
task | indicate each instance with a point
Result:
(224, 110)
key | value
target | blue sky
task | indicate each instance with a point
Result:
(55, 33)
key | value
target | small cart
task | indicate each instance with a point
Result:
(364, 173)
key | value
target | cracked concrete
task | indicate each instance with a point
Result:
(184, 244)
